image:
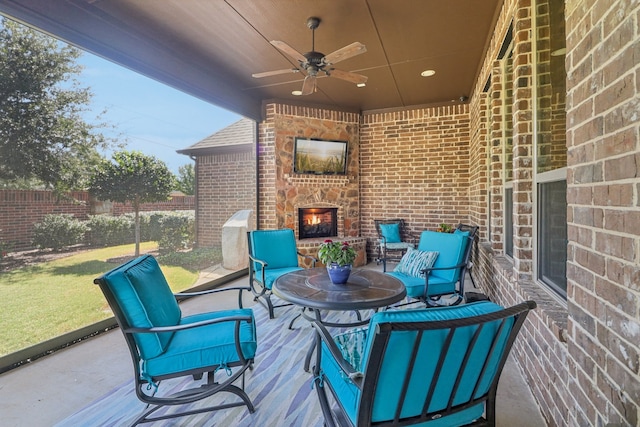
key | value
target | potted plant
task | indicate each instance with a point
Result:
(338, 257)
(444, 228)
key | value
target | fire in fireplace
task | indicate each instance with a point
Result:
(317, 222)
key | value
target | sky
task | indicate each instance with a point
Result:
(146, 115)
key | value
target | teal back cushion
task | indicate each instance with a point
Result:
(450, 248)
(275, 247)
(146, 300)
(397, 359)
(391, 232)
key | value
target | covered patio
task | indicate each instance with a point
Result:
(528, 129)
(92, 378)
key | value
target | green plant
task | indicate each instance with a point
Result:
(178, 232)
(335, 252)
(58, 231)
(445, 228)
(107, 230)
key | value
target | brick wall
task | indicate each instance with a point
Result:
(414, 165)
(603, 269)
(582, 359)
(23, 208)
(226, 184)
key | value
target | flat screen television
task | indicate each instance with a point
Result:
(320, 156)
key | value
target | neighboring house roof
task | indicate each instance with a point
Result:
(236, 137)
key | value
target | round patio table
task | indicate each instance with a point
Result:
(313, 291)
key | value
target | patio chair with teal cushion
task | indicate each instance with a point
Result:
(393, 240)
(165, 344)
(436, 268)
(272, 253)
(429, 367)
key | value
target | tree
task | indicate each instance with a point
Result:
(42, 132)
(132, 177)
(187, 179)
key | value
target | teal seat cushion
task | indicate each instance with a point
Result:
(138, 285)
(414, 261)
(415, 285)
(391, 232)
(396, 359)
(209, 345)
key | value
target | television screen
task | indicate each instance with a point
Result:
(320, 157)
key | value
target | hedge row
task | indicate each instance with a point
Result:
(172, 230)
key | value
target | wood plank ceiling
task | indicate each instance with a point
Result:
(210, 48)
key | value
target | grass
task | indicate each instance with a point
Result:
(42, 301)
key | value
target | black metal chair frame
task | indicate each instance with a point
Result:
(188, 395)
(259, 291)
(368, 380)
(393, 255)
(473, 232)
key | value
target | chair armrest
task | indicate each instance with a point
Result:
(325, 336)
(212, 291)
(312, 258)
(157, 329)
(259, 261)
(430, 269)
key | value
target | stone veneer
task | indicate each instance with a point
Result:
(283, 192)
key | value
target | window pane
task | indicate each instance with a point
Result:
(508, 221)
(552, 235)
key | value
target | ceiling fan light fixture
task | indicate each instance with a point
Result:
(427, 73)
(313, 62)
(361, 84)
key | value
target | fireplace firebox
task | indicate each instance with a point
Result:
(317, 222)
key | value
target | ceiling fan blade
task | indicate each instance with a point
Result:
(348, 76)
(355, 48)
(309, 85)
(289, 50)
(274, 73)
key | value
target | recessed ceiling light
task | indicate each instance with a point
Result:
(361, 84)
(296, 93)
(427, 73)
(559, 52)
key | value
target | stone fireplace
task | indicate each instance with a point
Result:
(317, 222)
(284, 193)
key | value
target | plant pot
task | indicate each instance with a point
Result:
(339, 274)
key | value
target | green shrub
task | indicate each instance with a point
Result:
(107, 230)
(58, 231)
(178, 231)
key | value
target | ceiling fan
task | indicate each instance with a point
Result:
(312, 63)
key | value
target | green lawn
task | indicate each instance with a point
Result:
(42, 301)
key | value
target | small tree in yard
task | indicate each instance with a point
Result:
(187, 179)
(133, 177)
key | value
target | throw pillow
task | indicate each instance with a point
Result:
(413, 261)
(351, 345)
(391, 232)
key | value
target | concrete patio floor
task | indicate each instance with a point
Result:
(54, 387)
